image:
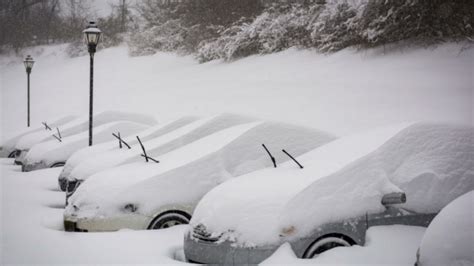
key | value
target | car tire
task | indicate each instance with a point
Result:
(60, 164)
(169, 219)
(326, 243)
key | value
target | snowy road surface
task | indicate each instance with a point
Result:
(32, 233)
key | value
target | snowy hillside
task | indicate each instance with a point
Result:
(340, 93)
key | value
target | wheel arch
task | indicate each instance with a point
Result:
(346, 238)
(159, 215)
(57, 164)
(352, 230)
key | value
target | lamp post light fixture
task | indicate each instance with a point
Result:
(92, 38)
(29, 62)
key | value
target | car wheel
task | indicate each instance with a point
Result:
(12, 154)
(169, 219)
(324, 244)
(60, 164)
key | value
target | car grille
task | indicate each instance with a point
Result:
(71, 186)
(62, 184)
(200, 233)
(72, 227)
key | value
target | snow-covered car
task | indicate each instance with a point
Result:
(154, 148)
(8, 147)
(78, 125)
(90, 152)
(346, 186)
(154, 196)
(54, 153)
(449, 240)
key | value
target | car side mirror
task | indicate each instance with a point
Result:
(394, 198)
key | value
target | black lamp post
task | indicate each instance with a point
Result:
(29, 62)
(92, 38)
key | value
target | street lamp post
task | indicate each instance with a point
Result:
(29, 62)
(92, 38)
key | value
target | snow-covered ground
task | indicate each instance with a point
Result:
(32, 233)
(346, 92)
(342, 93)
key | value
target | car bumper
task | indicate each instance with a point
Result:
(70, 226)
(134, 222)
(224, 253)
(27, 167)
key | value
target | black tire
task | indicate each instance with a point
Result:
(326, 243)
(60, 164)
(12, 155)
(169, 219)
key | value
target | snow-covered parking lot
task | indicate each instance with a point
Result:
(32, 233)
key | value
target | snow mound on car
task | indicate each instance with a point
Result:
(158, 146)
(9, 145)
(81, 124)
(53, 150)
(432, 164)
(150, 133)
(449, 240)
(98, 192)
(244, 154)
(249, 207)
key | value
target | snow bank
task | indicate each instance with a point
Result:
(343, 179)
(54, 151)
(449, 240)
(99, 192)
(32, 231)
(148, 134)
(251, 205)
(157, 146)
(9, 145)
(385, 245)
(343, 93)
(82, 124)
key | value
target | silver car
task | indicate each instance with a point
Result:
(346, 186)
(201, 247)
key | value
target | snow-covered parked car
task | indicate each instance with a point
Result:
(90, 152)
(54, 153)
(154, 148)
(8, 147)
(346, 186)
(449, 240)
(78, 125)
(154, 196)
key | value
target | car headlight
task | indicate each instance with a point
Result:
(130, 207)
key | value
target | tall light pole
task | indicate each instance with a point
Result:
(92, 38)
(29, 62)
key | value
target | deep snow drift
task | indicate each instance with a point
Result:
(341, 93)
